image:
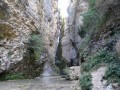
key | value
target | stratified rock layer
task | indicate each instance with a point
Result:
(18, 19)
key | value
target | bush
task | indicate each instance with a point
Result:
(35, 46)
(34, 50)
(109, 59)
(112, 73)
(93, 19)
(81, 32)
(93, 62)
(91, 3)
(12, 76)
(86, 82)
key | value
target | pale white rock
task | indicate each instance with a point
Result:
(97, 79)
(71, 36)
(74, 73)
(26, 16)
(109, 87)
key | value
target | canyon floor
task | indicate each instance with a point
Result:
(40, 83)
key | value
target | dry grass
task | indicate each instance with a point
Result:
(2, 14)
(6, 31)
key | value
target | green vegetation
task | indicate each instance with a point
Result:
(104, 58)
(91, 3)
(12, 76)
(98, 28)
(27, 68)
(85, 43)
(55, 69)
(35, 46)
(94, 61)
(60, 62)
(113, 72)
(34, 50)
(93, 19)
(85, 81)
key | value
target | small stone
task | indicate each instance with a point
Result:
(105, 82)
(115, 85)
(74, 73)
(109, 87)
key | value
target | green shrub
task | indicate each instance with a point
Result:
(81, 32)
(93, 62)
(34, 50)
(60, 62)
(12, 76)
(91, 3)
(112, 73)
(93, 19)
(35, 46)
(55, 69)
(86, 82)
(107, 58)
(85, 43)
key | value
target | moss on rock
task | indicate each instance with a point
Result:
(6, 31)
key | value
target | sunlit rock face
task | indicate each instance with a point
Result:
(71, 40)
(18, 19)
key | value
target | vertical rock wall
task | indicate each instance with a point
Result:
(71, 40)
(51, 27)
(18, 19)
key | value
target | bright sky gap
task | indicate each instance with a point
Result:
(63, 5)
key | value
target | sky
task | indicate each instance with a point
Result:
(63, 5)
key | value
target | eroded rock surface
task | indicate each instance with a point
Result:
(71, 39)
(18, 20)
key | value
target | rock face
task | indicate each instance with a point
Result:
(51, 26)
(18, 19)
(71, 39)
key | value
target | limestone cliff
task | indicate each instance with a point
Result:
(92, 37)
(71, 39)
(21, 18)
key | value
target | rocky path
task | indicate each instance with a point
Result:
(97, 77)
(44, 83)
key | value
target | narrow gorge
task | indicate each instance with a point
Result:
(59, 44)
